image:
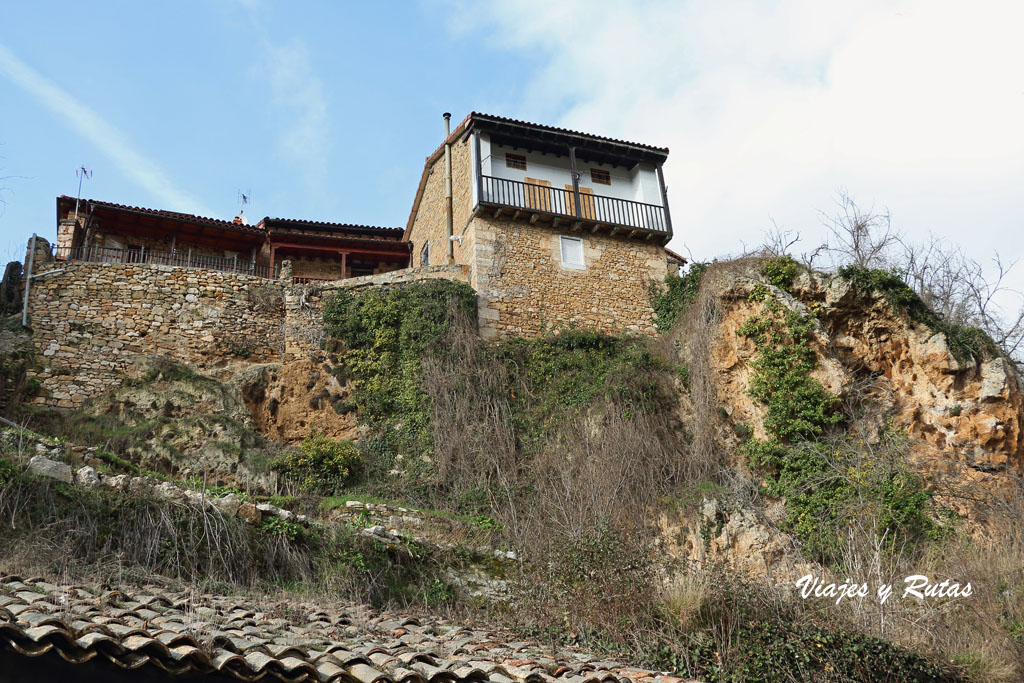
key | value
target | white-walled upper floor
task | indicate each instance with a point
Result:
(625, 192)
(638, 184)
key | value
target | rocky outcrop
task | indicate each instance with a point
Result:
(717, 534)
(174, 420)
(289, 401)
(963, 416)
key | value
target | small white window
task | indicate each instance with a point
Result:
(572, 253)
(425, 255)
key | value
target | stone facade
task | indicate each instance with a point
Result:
(428, 225)
(516, 266)
(524, 290)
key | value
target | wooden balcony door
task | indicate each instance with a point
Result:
(538, 197)
(586, 202)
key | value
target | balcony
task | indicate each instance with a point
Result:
(578, 208)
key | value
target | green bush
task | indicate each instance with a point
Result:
(771, 651)
(780, 271)
(798, 406)
(680, 292)
(7, 470)
(965, 342)
(322, 465)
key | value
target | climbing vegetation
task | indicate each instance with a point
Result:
(679, 292)
(965, 342)
(829, 482)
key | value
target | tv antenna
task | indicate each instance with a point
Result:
(83, 173)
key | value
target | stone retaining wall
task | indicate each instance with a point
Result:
(92, 322)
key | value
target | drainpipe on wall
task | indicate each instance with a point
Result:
(448, 186)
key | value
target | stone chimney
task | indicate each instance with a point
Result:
(42, 253)
(69, 233)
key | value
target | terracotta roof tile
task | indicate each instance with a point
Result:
(187, 633)
(174, 215)
(325, 225)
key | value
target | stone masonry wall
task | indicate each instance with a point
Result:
(304, 304)
(91, 323)
(524, 290)
(516, 267)
(429, 223)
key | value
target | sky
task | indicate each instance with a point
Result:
(326, 110)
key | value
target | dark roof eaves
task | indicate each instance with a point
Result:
(269, 222)
(170, 215)
(569, 133)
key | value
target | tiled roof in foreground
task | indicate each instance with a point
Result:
(187, 633)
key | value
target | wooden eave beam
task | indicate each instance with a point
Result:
(284, 246)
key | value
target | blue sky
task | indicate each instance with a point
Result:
(324, 113)
(326, 110)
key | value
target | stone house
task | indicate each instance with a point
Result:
(90, 230)
(556, 227)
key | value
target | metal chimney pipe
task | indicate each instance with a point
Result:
(448, 186)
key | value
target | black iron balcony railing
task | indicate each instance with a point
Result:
(182, 257)
(593, 208)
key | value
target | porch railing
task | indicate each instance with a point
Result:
(592, 207)
(304, 280)
(180, 257)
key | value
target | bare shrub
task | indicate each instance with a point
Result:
(580, 476)
(266, 298)
(709, 451)
(958, 288)
(859, 237)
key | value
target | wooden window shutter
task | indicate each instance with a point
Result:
(538, 197)
(586, 202)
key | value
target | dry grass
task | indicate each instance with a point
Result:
(56, 525)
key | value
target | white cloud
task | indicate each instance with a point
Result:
(295, 92)
(768, 107)
(104, 136)
(299, 95)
